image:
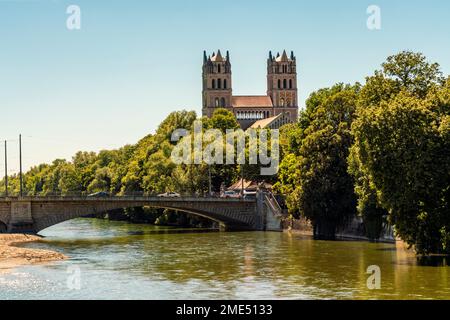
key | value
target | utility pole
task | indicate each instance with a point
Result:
(242, 181)
(20, 159)
(6, 168)
(209, 174)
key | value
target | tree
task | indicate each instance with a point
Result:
(69, 180)
(412, 72)
(400, 158)
(406, 154)
(315, 177)
(223, 120)
(404, 72)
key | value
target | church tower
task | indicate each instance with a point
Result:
(282, 84)
(217, 92)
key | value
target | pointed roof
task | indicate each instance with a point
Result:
(249, 185)
(217, 57)
(264, 123)
(283, 57)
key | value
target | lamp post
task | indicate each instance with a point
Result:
(209, 179)
(6, 168)
(20, 159)
(242, 181)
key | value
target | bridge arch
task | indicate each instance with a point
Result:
(229, 213)
(193, 212)
(60, 218)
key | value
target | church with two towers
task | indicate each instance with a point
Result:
(278, 107)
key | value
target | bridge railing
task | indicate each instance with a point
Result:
(274, 204)
(101, 195)
(106, 194)
(75, 194)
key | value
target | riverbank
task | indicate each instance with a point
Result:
(354, 230)
(12, 256)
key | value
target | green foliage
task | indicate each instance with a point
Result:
(411, 71)
(145, 167)
(314, 177)
(221, 119)
(225, 174)
(403, 149)
(401, 158)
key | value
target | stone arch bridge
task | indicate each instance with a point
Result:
(33, 214)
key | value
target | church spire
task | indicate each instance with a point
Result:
(219, 56)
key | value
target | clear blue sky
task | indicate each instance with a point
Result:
(133, 62)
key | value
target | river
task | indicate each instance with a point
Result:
(117, 260)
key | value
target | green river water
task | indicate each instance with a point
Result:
(116, 260)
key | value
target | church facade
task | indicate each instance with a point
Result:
(279, 106)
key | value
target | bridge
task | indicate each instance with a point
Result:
(34, 214)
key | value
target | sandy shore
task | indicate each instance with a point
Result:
(12, 256)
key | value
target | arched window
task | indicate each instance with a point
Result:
(222, 102)
(219, 83)
(284, 84)
(224, 83)
(290, 83)
(213, 83)
(279, 84)
(217, 102)
(282, 102)
(218, 68)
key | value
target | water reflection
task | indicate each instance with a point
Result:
(434, 261)
(124, 260)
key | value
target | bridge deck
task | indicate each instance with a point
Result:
(37, 213)
(125, 198)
